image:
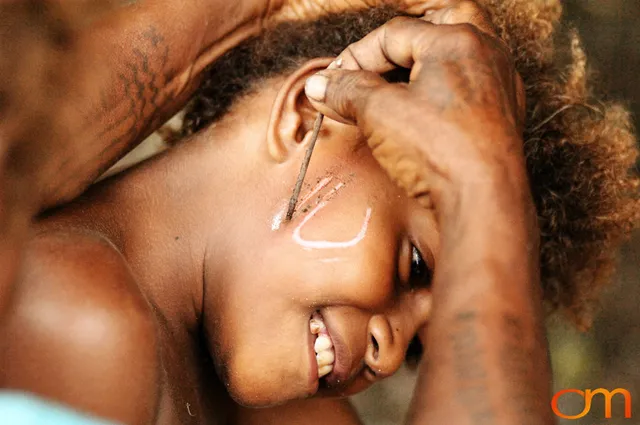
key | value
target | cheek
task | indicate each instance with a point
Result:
(260, 338)
(343, 235)
(362, 278)
(250, 385)
(266, 362)
(342, 252)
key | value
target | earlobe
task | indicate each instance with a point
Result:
(286, 121)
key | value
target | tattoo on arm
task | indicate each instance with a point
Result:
(128, 104)
(518, 361)
(470, 374)
(517, 369)
(141, 81)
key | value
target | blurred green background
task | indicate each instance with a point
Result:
(608, 355)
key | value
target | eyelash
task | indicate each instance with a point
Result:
(419, 274)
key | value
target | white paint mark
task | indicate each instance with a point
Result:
(315, 190)
(277, 219)
(329, 244)
(331, 260)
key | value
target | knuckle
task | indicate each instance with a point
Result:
(469, 7)
(404, 23)
(376, 106)
(371, 103)
(399, 21)
(348, 92)
(471, 11)
(467, 36)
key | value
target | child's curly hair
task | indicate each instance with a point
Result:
(580, 150)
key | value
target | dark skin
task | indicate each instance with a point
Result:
(109, 74)
(487, 314)
(485, 325)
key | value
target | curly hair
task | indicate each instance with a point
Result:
(580, 150)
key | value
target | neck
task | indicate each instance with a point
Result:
(175, 214)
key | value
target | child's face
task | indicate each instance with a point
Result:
(348, 254)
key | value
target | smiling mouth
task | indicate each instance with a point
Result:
(323, 345)
(333, 357)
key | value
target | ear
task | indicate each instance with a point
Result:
(288, 123)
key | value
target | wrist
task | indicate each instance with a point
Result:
(489, 230)
(497, 188)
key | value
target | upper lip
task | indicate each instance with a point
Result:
(341, 374)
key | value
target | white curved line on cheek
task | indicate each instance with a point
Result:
(329, 244)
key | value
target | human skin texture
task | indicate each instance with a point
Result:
(222, 284)
(487, 316)
(98, 79)
(189, 275)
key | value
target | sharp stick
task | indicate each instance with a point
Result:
(303, 169)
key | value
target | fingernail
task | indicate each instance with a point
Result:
(316, 87)
(335, 64)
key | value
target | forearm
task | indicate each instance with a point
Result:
(487, 355)
(136, 65)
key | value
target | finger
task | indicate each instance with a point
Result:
(433, 5)
(394, 44)
(463, 12)
(347, 96)
(456, 12)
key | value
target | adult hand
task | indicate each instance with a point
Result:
(451, 137)
(456, 124)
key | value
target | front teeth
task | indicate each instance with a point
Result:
(322, 343)
(325, 358)
(316, 324)
(324, 370)
(325, 354)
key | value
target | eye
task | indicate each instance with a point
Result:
(419, 275)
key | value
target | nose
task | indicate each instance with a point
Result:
(391, 332)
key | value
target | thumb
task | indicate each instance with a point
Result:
(347, 96)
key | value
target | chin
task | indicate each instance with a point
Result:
(259, 393)
(253, 400)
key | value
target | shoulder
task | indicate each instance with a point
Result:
(79, 330)
(81, 275)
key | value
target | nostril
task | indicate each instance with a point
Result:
(376, 347)
(371, 371)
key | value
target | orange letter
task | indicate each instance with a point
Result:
(608, 395)
(554, 404)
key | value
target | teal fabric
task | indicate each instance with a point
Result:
(23, 409)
